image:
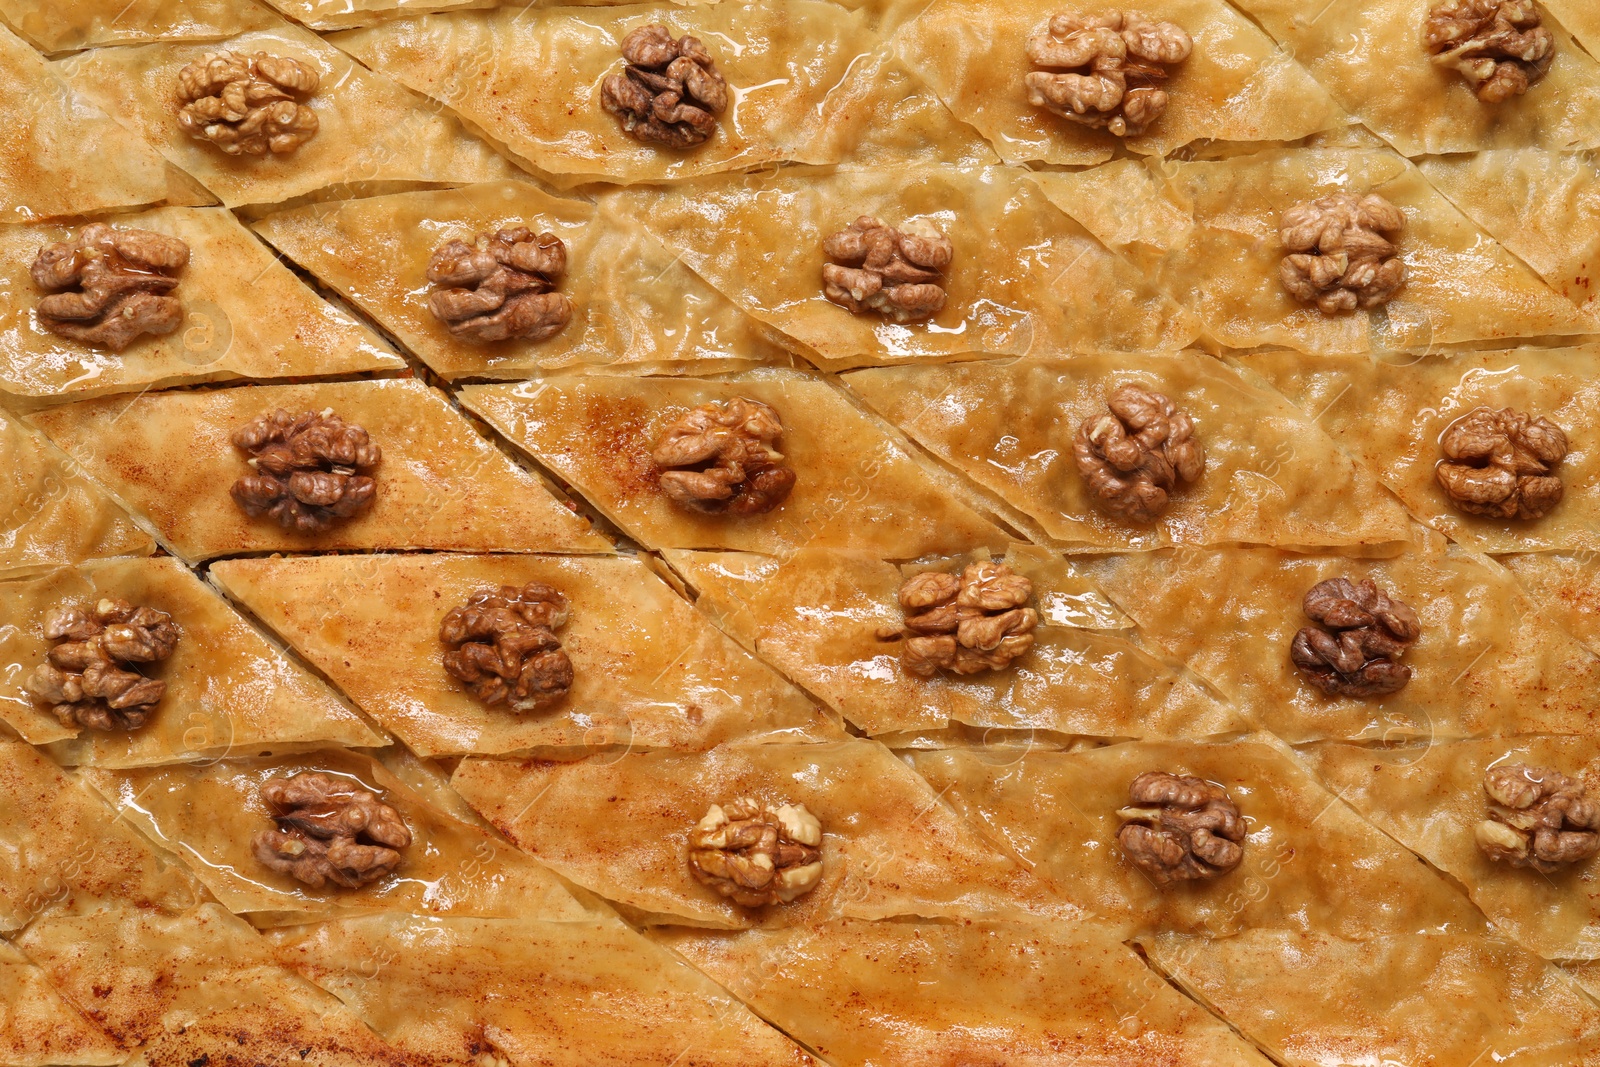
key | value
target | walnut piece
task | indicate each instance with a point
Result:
(1180, 828)
(1105, 70)
(670, 92)
(1135, 456)
(1499, 46)
(500, 286)
(89, 680)
(977, 621)
(1500, 463)
(722, 457)
(329, 830)
(1537, 818)
(879, 268)
(309, 469)
(1339, 258)
(246, 104)
(502, 645)
(1355, 649)
(756, 854)
(118, 281)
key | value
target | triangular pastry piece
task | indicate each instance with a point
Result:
(1392, 411)
(902, 994)
(1473, 674)
(245, 316)
(819, 617)
(55, 515)
(1566, 586)
(1309, 864)
(1370, 55)
(216, 810)
(619, 825)
(39, 1028)
(1235, 85)
(648, 670)
(371, 132)
(1431, 797)
(1022, 277)
(854, 485)
(68, 25)
(565, 994)
(1271, 476)
(531, 79)
(633, 305)
(227, 686)
(884, 115)
(439, 484)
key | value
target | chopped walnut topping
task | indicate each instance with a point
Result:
(1105, 70)
(1497, 45)
(878, 268)
(1339, 258)
(329, 830)
(1180, 828)
(246, 104)
(89, 680)
(119, 281)
(502, 645)
(1355, 649)
(310, 469)
(1500, 463)
(723, 457)
(757, 854)
(1537, 818)
(670, 92)
(500, 286)
(977, 621)
(1134, 456)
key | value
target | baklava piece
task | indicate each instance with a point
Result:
(669, 93)
(1339, 258)
(874, 267)
(310, 469)
(1135, 455)
(501, 286)
(1105, 71)
(976, 621)
(1501, 464)
(91, 679)
(502, 645)
(1538, 818)
(1499, 46)
(248, 104)
(1178, 828)
(722, 458)
(329, 829)
(1360, 634)
(111, 286)
(756, 854)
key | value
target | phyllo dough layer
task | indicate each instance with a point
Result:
(67, 25)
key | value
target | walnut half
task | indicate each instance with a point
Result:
(1355, 649)
(1180, 828)
(1502, 463)
(977, 621)
(670, 92)
(1105, 70)
(756, 854)
(1537, 818)
(89, 679)
(500, 286)
(502, 645)
(879, 268)
(1499, 46)
(329, 829)
(1338, 257)
(246, 104)
(118, 283)
(1137, 454)
(310, 469)
(722, 457)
